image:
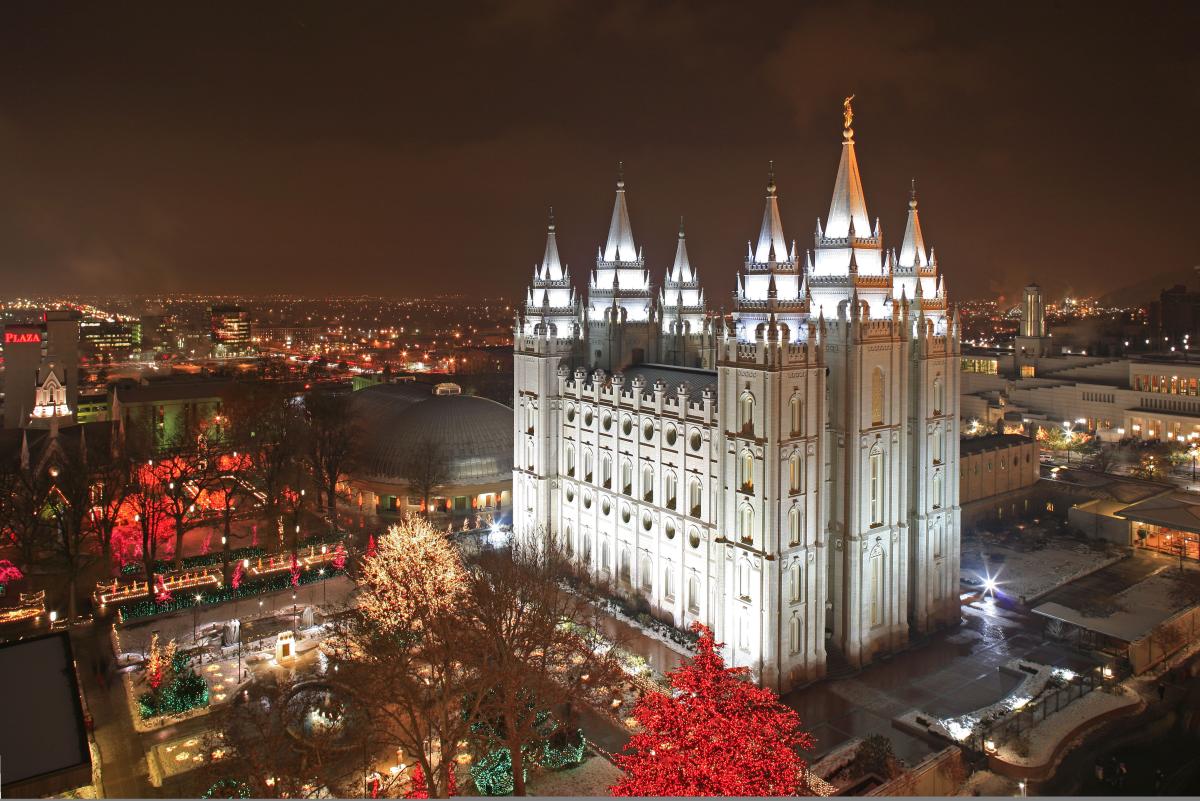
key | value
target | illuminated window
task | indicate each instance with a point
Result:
(744, 579)
(794, 634)
(794, 526)
(746, 414)
(876, 563)
(794, 472)
(794, 582)
(876, 489)
(746, 523)
(746, 471)
(797, 414)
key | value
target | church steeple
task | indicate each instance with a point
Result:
(772, 245)
(848, 204)
(551, 268)
(912, 250)
(681, 270)
(619, 246)
(550, 300)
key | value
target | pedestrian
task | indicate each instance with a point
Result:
(1162, 690)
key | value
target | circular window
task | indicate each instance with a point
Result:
(669, 529)
(647, 521)
(570, 413)
(587, 417)
(587, 500)
(570, 493)
(694, 537)
(606, 421)
(648, 430)
(694, 440)
(626, 426)
(671, 435)
(605, 506)
(625, 513)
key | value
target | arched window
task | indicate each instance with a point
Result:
(797, 414)
(935, 493)
(794, 526)
(939, 395)
(694, 497)
(693, 593)
(668, 586)
(571, 461)
(746, 523)
(606, 471)
(604, 563)
(794, 472)
(669, 489)
(794, 634)
(587, 465)
(939, 446)
(647, 483)
(626, 477)
(877, 396)
(623, 569)
(646, 574)
(746, 471)
(585, 548)
(568, 543)
(794, 582)
(746, 414)
(876, 489)
(743, 578)
(876, 568)
(530, 415)
(529, 454)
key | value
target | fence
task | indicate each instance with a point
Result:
(1049, 701)
(1164, 640)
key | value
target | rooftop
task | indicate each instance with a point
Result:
(970, 445)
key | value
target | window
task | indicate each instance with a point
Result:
(743, 579)
(668, 586)
(606, 421)
(694, 537)
(669, 529)
(647, 483)
(646, 574)
(529, 454)
(587, 466)
(626, 477)
(606, 471)
(794, 472)
(876, 481)
(797, 415)
(648, 430)
(794, 634)
(746, 471)
(877, 397)
(939, 446)
(530, 416)
(570, 412)
(669, 489)
(794, 582)
(623, 572)
(939, 395)
(604, 563)
(694, 441)
(794, 526)
(694, 496)
(936, 492)
(746, 414)
(746, 523)
(571, 461)
(671, 435)
(647, 521)
(626, 425)
(693, 593)
(876, 563)
(585, 548)
(588, 417)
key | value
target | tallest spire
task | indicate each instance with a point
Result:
(848, 200)
(620, 245)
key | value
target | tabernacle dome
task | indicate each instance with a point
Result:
(472, 436)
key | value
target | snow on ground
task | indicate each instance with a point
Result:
(1046, 736)
(1029, 574)
(592, 778)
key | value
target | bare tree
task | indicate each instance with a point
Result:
(69, 501)
(525, 636)
(333, 442)
(146, 499)
(402, 647)
(23, 493)
(265, 423)
(426, 467)
(110, 484)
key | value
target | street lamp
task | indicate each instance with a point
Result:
(195, 617)
(324, 592)
(1022, 785)
(53, 618)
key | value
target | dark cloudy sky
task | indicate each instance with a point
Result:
(403, 147)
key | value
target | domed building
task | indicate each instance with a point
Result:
(411, 429)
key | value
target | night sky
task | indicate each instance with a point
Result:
(402, 148)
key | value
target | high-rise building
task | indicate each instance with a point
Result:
(1032, 341)
(230, 331)
(786, 475)
(41, 370)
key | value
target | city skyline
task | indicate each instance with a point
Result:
(256, 149)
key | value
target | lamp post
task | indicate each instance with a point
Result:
(295, 614)
(324, 592)
(195, 617)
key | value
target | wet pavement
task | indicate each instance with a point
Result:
(950, 674)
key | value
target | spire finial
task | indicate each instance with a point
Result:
(620, 175)
(770, 177)
(550, 223)
(681, 226)
(847, 119)
(912, 195)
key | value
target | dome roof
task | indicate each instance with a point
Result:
(476, 433)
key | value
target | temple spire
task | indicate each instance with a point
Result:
(772, 246)
(619, 246)
(681, 270)
(551, 267)
(848, 202)
(912, 250)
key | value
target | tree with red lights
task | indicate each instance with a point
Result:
(226, 490)
(716, 733)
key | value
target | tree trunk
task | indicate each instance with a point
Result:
(71, 608)
(179, 542)
(518, 765)
(331, 493)
(225, 545)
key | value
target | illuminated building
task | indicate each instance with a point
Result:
(230, 327)
(797, 491)
(41, 359)
(111, 339)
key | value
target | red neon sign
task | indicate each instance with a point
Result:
(21, 337)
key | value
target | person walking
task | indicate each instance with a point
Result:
(1162, 691)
